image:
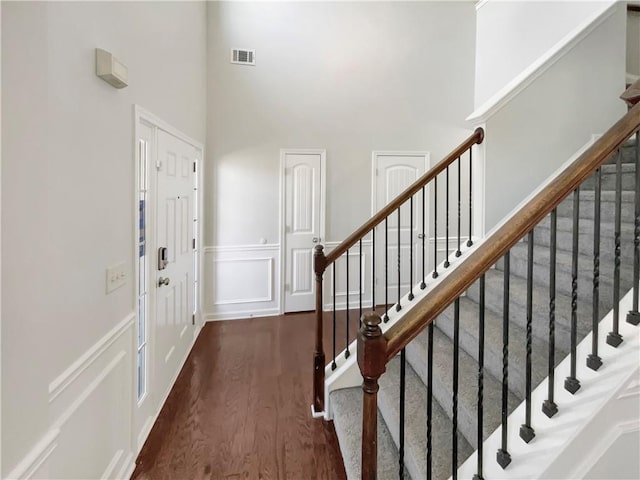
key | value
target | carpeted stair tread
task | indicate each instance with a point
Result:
(540, 298)
(564, 236)
(541, 260)
(608, 177)
(346, 405)
(607, 205)
(467, 384)
(469, 322)
(416, 423)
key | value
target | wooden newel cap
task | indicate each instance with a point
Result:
(370, 322)
(372, 347)
(319, 260)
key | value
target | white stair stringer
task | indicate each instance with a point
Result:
(347, 373)
(572, 442)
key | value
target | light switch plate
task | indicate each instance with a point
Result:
(116, 276)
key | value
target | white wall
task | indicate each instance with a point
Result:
(633, 43)
(348, 77)
(535, 131)
(511, 35)
(67, 174)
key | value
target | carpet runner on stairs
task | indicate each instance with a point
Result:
(347, 403)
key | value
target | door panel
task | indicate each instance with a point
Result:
(175, 198)
(303, 229)
(393, 174)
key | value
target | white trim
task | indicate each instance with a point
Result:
(323, 202)
(241, 248)
(541, 65)
(632, 78)
(36, 456)
(62, 381)
(143, 114)
(128, 467)
(80, 399)
(603, 444)
(108, 472)
(481, 4)
(241, 315)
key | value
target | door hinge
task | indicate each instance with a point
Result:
(193, 319)
(158, 165)
(194, 243)
(194, 167)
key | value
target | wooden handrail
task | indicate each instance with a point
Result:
(351, 240)
(498, 244)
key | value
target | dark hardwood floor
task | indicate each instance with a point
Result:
(240, 408)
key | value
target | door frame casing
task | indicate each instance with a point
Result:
(323, 198)
(143, 116)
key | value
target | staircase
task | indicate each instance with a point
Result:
(505, 333)
(347, 403)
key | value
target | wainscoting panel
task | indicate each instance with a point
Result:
(354, 278)
(241, 281)
(90, 410)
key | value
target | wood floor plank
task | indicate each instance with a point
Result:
(240, 407)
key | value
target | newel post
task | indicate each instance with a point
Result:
(372, 347)
(319, 265)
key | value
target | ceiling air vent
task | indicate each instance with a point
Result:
(243, 56)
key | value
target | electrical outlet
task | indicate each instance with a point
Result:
(116, 277)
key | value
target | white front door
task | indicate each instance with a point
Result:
(173, 271)
(393, 173)
(303, 224)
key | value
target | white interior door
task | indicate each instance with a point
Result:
(393, 173)
(174, 280)
(303, 225)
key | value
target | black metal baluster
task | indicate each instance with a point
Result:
(360, 283)
(402, 392)
(633, 317)
(347, 353)
(424, 255)
(478, 475)
(398, 306)
(333, 280)
(429, 398)
(446, 224)
(411, 249)
(594, 362)
(571, 383)
(526, 431)
(435, 227)
(469, 241)
(373, 269)
(548, 406)
(454, 419)
(503, 457)
(458, 252)
(386, 270)
(614, 338)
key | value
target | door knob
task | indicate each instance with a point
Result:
(163, 281)
(421, 235)
(316, 239)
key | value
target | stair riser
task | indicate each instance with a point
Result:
(607, 209)
(608, 181)
(493, 355)
(585, 242)
(540, 321)
(519, 268)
